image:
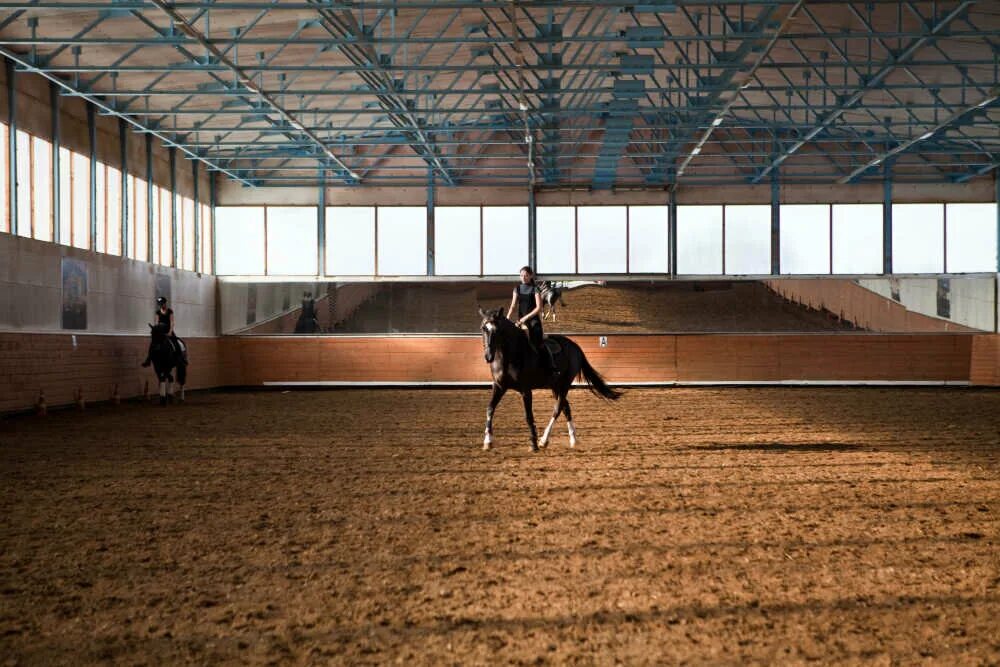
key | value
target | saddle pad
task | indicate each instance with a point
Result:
(553, 346)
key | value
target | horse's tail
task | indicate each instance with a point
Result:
(595, 382)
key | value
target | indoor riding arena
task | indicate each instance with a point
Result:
(276, 387)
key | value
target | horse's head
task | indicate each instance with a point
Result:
(493, 321)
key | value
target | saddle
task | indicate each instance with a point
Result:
(553, 347)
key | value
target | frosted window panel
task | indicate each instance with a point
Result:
(699, 240)
(206, 239)
(556, 239)
(648, 250)
(857, 238)
(456, 240)
(80, 201)
(4, 190)
(65, 203)
(240, 240)
(505, 239)
(602, 231)
(402, 241)
(350, 240)
(43, 189)
(114, 203)
(187, 213)
(140, 221)
(156, 229)
(918, 238)
(972, 238)
(166, 228)
(748, 240)
(291, 241)
(102, 220)
(23, 172)
(805, 238)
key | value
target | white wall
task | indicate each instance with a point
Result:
(973, 300)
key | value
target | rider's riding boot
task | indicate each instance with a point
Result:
(146, 363)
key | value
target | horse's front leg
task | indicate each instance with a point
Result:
(498, 393)
(529, 416)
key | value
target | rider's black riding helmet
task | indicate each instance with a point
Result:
(161, 300)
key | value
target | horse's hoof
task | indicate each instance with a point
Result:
(486, 446)
(572, 443)
(543, 443)
(534, 447)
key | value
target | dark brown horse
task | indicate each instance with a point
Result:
(516, 364)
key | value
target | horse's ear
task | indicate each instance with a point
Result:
(482, 313)
(498, 312)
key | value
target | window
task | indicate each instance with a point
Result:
(505, 239)
(918, 238)
(350, 240)
(187, 233)
(5, 194)
(602, 239)
(291, 240)
(972, 238)
(79, 199)
(240, 240)
(156, 231)
(139, 218)
(805, 238)
(102, 211)
(456, 240)
(748, 240)
(41, 159)
(699, 240)
(857, 238)
(113, 211)
(402, 241)
(206, 239)
(166, 227)
(23, 173)
(648, 249)
(556, 239)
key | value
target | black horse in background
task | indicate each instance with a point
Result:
(168, 355)
(308, 322)
(551, 296)
(516, 364)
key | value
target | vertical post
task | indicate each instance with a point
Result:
(532, 230)
(172, 155)
(212, 197)
(92, 185)
(12, 144)
(672, 233)
(123, 159)
(775, 223)
(197, 219)
(321, 226)
(430, 220)
(887, 217)
(56, 141)
(149, 199)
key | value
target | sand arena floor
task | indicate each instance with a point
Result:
(724, 525)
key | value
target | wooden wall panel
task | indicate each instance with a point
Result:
(984, 368)
(49, 362)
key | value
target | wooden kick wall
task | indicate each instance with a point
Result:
(50, 362)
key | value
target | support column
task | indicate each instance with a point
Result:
(321, 226)
(430, 220)
(149, 200)
(123, 156)
(54, 100)
(672, 233)
(12, 144)
(197, 218)
(92, 185)
(887, 217)
(172, 155)
(775, 223)
(532, 230)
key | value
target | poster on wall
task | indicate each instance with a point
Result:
(74, 294)
(163, 287)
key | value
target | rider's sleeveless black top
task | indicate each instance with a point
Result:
(164, 318)
(526, 302)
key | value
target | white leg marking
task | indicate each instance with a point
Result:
(163, 389)
(488, 440)
(545, 436)
(572, 434)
